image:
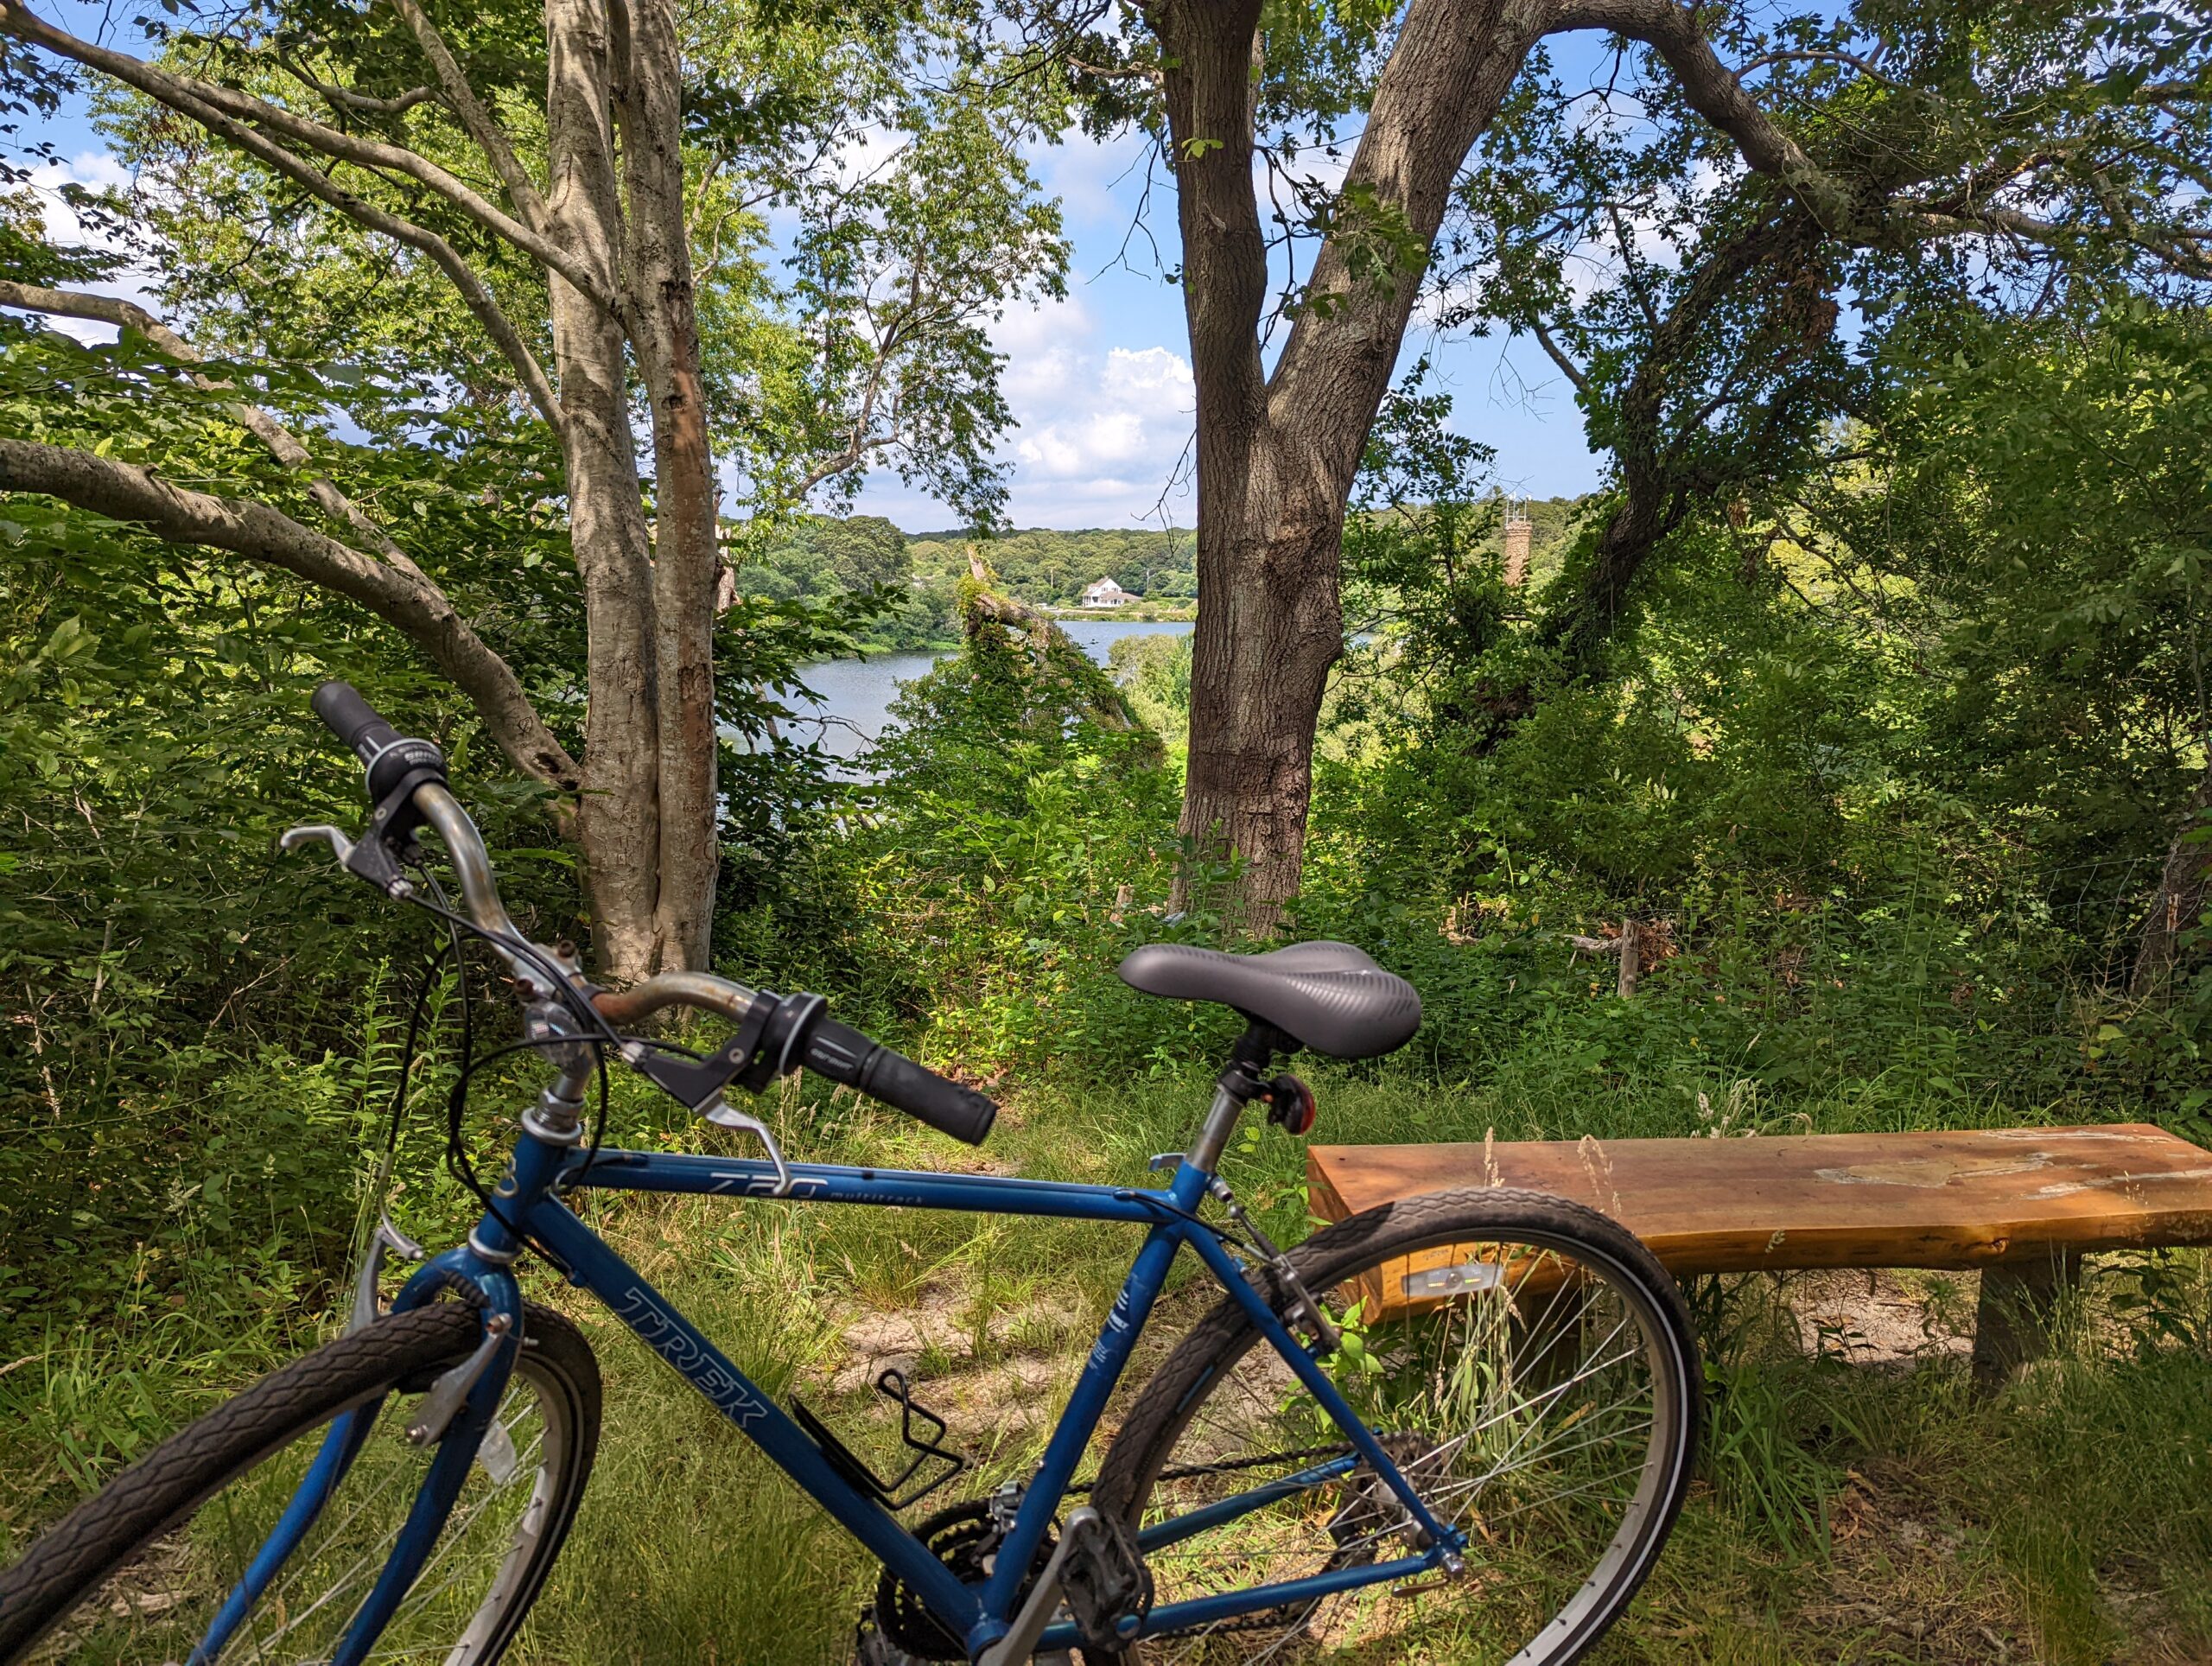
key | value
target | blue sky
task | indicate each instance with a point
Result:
(1099, 384)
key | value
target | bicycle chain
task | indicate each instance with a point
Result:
(905, 1630)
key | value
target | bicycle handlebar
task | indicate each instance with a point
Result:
(353, 720)
(843, 1054)
(836, 1050)
(663, 989)
(823, 1045)
(472, 862)
(393, 762)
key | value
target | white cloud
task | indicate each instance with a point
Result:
(1099, 430)
(95, 170)
(1099, 434)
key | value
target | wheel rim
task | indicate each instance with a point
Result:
(160, 1606)
(1539, 1412)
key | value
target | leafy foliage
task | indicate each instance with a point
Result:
(822, 559)
(1053, 568)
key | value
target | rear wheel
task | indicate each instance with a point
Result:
(139, 1571)
(1527, 1365)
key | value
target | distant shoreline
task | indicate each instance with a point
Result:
(1142, 613)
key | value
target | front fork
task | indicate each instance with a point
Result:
(454, 1416)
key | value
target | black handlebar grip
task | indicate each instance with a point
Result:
(843, 1054)
(353, 720)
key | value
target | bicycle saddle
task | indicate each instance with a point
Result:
(1329, 997)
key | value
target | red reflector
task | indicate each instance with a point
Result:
(1291, 1104)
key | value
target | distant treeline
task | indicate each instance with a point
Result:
(818, 558)
(1052, 569)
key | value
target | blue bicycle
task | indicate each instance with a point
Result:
(1461, 1425)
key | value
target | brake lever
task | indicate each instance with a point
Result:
(722, 1115)
(293, 837)
(368, 860)
(746, 1059)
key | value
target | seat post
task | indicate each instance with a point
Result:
(1244, 1080)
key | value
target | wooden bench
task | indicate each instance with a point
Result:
(2022, 1206)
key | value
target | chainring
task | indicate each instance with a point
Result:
(965, 1538)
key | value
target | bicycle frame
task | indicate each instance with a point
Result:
(529, 1210)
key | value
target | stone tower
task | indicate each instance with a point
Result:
(1520, 539)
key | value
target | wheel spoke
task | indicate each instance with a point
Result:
(1545, 1415)
(236, 1472)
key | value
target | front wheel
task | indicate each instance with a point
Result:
(142, 1571)
(1527, 1365)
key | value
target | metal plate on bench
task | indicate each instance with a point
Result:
(1435, 1281)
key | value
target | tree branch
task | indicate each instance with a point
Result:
(197, 98)
(359, 103)
(1209, 111)
(1567, 367)
(478, 299)
(1118, 73)
(282, 444)
(478, 121)
(417, 608)
(854, 450)
(1715, 93)
(1832, 55)
(1630, 275)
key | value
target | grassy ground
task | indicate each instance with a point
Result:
(1860, 1502)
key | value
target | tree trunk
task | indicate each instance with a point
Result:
(666, 333)
(1661, 478)
(1270, 627)
(1650, 508)
(618, 821)
(1276, 456)
(2185, 888)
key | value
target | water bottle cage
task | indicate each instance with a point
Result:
(928, 1447)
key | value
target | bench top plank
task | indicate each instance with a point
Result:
(1951, 1198)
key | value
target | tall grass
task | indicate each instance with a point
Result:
(1846, 1510)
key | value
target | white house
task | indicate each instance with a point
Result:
(1107, 594)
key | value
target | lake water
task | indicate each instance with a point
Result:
(856, 694)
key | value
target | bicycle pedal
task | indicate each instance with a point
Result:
(1105, 1583)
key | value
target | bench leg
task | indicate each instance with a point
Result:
(2019, 1301)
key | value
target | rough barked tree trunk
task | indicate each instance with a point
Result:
(619, 822)
(666, 333)
(1276, 455)
(2184, 889)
